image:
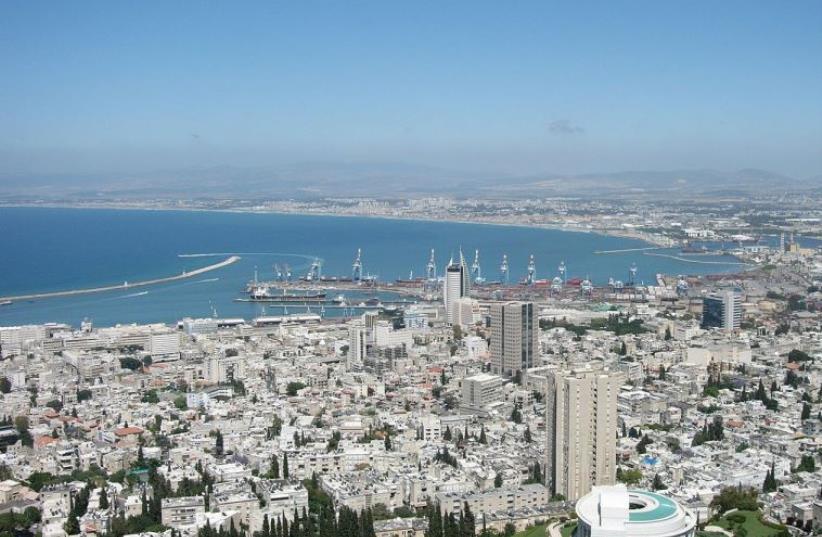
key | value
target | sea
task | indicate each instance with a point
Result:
(55, 249)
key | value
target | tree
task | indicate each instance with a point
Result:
(103, 498)
(498, 480)
(667, 333)
(770, 484)
(21, 423)
(72, 525)
(467, 526)
(435, 521)
(482, 437)
(806, 464)
(285, 465)
(516, 415)
(293, 387)
(387, 442)
(744, 499)
(527, 435)
(806, 411)
(218, 444)
(5, 385)
(274, 468)
(658, 484)
(642, 444)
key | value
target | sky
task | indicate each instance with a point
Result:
(517, 87)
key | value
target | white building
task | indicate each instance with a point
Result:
(617, 512)
(480, 390)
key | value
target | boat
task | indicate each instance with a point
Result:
(6, 303)
(262, 293)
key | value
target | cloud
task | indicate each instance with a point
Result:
(564, 127)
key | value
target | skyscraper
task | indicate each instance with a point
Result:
(581, 421)
(514, 337)
(722, 311)
(457, 285)
(357, 345)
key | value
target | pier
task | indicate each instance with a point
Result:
(624, 250)
(125, 285)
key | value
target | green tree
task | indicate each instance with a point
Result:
(103, 498)
(72, 525)
(285, 465)
(293, 387)
(218, 444)
(498, 480)
(806, 411)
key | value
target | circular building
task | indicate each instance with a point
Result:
(619, 512)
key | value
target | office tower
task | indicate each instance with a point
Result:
(722, 310)
(514, 337)
(457, 285)
(581, 421)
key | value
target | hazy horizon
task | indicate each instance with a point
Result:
(526, 90)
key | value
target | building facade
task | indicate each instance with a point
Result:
(581, 422)
(514, 337)
(457, 285)
(722, 311)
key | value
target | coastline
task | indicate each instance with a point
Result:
(142, 283)
(651, 240)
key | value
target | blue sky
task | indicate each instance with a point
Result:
(519, 87)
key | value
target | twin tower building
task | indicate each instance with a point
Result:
(581, 404)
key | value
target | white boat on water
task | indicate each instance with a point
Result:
(6, 303)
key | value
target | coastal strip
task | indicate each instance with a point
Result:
(125, 285)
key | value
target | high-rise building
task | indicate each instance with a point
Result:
(722, 310)
(581, 421)
(357, 345)
(457, 285)
(514, 337)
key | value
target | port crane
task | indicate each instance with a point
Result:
(532, 271)
(476, 270)
(315, 271)
(431, 268)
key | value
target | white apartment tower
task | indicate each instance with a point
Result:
(581, 421)
(357, 344)
(514, 337)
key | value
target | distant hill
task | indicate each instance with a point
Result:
(380, 179)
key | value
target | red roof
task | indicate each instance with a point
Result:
(41, 441)
(125, 431)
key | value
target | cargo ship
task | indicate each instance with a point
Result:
(261, 292)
